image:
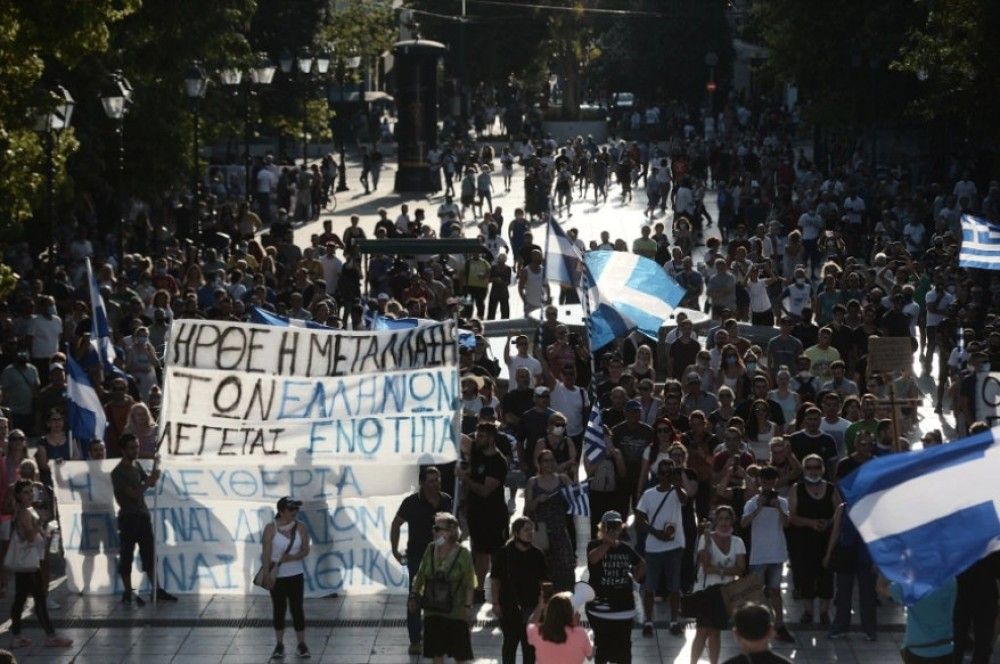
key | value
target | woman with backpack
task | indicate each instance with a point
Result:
(443, 588)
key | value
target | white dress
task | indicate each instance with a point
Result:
(718, 559)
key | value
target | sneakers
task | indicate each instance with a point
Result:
(416, 648)
(163, 596)
(647, 629)
(303, 651)
(783, 634)
(278, 652)
(676, 629)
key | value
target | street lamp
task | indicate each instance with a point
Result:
(115, 98)
(260, 74)
(350, 62)
(53, 118)
(195, 87)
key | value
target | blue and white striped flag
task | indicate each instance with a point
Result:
(577, 498)
(927, 516)
(594, 445)
(563, 259)
(980, 243)
(100, 330)
(87, 421)
(634, 292)
(265, 317)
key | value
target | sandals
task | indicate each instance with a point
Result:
(20, 642)
(58, 642)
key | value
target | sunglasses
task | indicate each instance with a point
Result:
(813, 467)
(440, 528)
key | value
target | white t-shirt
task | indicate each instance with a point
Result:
(760, 301)
(716, 557)
(797, 298)
(648, 504)
(914, 233)
(516, 362)
(44, 336)
(332, 267)
(265, 181)
(766, 532)
(836, 429)
(571, 402)
(811, 225)
(946, 300)
(854, 208)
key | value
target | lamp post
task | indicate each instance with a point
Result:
(260, 74)
(195, 87)
(351, 62)
(50, 120)
(115, 98)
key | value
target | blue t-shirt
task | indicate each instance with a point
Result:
(929, 620)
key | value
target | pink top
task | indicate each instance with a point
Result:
(573, 650)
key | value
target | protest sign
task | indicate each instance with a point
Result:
(209, 517)
(889, 353)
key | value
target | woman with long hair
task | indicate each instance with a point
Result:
(643, 365)
(141, 423)
(558, 638)
(722, 557)
(54, 441)
(657, 451)
(446, 632)
(285, 546)
(557, 442)
(544, 503)
(733, 373)
(28, 531)
(760, 430)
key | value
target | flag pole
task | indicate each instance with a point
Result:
(456, 427)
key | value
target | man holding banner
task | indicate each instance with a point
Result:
(135, 527)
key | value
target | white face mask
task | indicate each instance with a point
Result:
(814, 479)
(984, 367)
(439, 541)
(800, 281)
(558, 430)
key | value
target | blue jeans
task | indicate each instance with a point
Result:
(414, 626)
(866, 598)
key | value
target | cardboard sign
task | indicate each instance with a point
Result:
(889, 353)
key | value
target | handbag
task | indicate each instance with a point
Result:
(437, 588)
(696, 605)
(22, 555)
(747, 589)
(264, 577)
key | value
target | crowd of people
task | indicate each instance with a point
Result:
(724, 445)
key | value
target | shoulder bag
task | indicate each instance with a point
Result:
(264, 578)
(437, 595)
(22, 555)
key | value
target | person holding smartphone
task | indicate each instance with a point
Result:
(614, 566)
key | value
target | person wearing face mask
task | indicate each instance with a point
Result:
(141, 362)
(516, 575)
(796, 296)
(545, 505)
(559, 443)
(811, 504)
(446, 633)
(722, 557)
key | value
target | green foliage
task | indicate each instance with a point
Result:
(8, 281)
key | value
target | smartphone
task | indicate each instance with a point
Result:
(547, 590)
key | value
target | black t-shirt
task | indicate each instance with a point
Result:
(418, 514)
(895, 323)
(517, 401)
(847, 466)
(632, 441)
(766, 657)
(611, 579)
(520, 574)
(804, 444)
(481, 467)
(774, 411)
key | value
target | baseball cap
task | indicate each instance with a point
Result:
(611, 516)
(383, 296)
(633, 406)
(541, 391)
(288, 503)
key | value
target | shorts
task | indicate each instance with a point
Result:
(714, 615)
(663, 565)
(768, 573)
(487, 532)
(447, 637)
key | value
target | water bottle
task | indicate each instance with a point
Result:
(54, 542)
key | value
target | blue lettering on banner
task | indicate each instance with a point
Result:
(333, 570)
(314, 483)
(91, 532)
(185, 572)
(402, 434)
(81, 486)
(186, 524)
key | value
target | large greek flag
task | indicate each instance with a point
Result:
(100, 330)
(87, 421)
(631, 287)
(577, 498)
(928, 515)
(594, 445)
(980, 243)
(562, 258)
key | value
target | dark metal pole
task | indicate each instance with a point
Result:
(305, 141)
(50, 196)
(196, 190)
(342, 166)
(120, 130)
(247, 161)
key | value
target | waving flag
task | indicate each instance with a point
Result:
(373, 321)
(87, 421)
(100, 331)
(265, 317)
(562, 258)
(980, 243)
(577, 498)
(594, 446)
(628, 291)
(927, 516)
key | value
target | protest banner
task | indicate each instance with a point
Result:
(297, 351)
(396, 416)
(209, 518)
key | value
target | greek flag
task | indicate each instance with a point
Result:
(577, 498)
(87, 421)
(594, 446)
(634, 291)
(980, 243)
(374, 321)
(100, 331)
(265, 317)
(562, 258)
(927, 516)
